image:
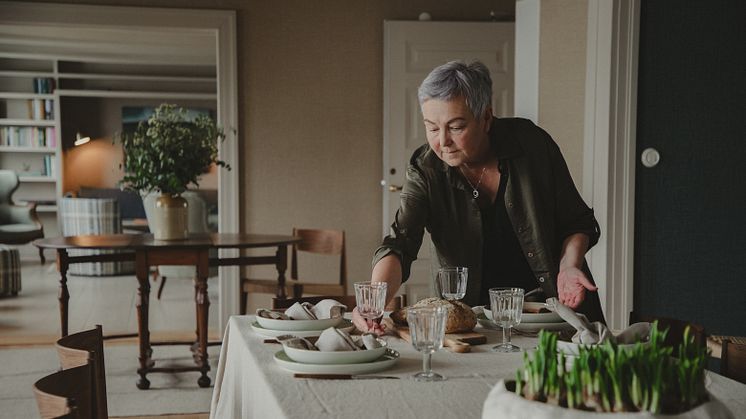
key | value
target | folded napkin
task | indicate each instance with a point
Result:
(590, 333)
(324, 309)
(333, 339)
(296, 342)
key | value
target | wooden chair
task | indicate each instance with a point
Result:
(733, 360)
(66, 393)
(349, 300)
(87, 348)
(675, 328)
(323, 242)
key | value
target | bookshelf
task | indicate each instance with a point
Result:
(29, 126)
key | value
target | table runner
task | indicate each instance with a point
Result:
(249, 384)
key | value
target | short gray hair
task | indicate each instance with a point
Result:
(456, 78)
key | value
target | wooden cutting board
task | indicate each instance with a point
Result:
(454, 342)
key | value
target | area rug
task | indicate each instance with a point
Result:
(168, 393)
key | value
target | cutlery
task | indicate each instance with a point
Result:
(344, 377)
(533, 291)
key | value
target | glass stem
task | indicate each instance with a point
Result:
(426, 363)
(509, 332)
(504, 340)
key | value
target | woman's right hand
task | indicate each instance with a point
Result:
(366, 326)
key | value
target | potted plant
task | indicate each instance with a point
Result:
(647, 380)
(166, 154)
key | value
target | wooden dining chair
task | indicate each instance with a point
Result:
(675, 328)
(349, 300)
(66, 393)
(87, 348)
(319, 242)
(733, 360)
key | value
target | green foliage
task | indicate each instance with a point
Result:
(167, 153)
(606, 378)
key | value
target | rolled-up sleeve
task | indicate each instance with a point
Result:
(405, 235)
(572, 213)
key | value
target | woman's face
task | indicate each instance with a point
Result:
(454, 134)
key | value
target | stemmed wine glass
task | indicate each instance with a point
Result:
(507, 307)
(427, 326)
(371, 299)
(452, 282)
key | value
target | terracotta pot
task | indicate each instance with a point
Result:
(504, 404)
(170, 218)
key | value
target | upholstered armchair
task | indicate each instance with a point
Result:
(96, 217)
(19, 224)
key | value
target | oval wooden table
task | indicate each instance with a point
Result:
(147, 252)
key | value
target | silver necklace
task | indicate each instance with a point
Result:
(475, 189)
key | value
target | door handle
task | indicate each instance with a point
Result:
(395, 188)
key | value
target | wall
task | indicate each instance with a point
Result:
(562, 62)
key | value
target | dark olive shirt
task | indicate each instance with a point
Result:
(541, 200)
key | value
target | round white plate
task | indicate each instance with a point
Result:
(345, 325)
(533, 317)
(338, 357)
(382, 363)
(298, 325)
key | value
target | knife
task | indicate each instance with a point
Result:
(344, 377)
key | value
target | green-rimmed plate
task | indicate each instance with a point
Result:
(345, 325)
(385, 362)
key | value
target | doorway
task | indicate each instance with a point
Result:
(690, 237)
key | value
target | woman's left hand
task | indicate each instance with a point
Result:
(571, 285)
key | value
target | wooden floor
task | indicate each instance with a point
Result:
(33, 318)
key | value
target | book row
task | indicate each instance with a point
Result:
(28, 136)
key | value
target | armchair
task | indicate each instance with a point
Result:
(19, 224)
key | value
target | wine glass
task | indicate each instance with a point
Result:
(427, 326)
(371, 299)
(452, 282)
(507, 307)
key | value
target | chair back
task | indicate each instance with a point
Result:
(83, 348)
(322, 242)
(733, 360)
(675, 328)
(65, 393)
(8, 184)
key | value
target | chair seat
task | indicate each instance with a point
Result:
(19, 228)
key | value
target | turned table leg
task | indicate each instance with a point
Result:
(203, 305)
(143, 297)
(282, 265)
(63, 295)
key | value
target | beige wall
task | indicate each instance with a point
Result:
(310, 95)
(562, 61)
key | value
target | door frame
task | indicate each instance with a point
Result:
(223, 24)
(609, 152)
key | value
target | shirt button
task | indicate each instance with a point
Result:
(530, 254)
(510, 205)
(541, 279)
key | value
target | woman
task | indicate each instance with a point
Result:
(495, 195)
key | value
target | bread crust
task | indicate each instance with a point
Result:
(460, 317)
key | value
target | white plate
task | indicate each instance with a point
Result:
(298, 325)
(573, 349)
(382, 363)
(338, 357)
(525, 327)
(345, 325)
(533, 317)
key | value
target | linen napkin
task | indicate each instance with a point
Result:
(333, 339)
(590, 333)
(324, 309)
(296, 342)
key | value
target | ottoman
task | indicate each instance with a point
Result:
(10, 271)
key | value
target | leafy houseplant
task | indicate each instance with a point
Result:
(165, 155)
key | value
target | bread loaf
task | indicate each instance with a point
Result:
(460, 316)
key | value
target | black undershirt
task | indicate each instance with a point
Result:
(503, 263)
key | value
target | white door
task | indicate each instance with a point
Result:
(411, 51)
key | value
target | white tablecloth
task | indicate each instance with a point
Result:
(249, 384)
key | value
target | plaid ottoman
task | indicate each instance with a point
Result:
(10, 271)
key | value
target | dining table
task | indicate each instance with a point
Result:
(250, 384)
(148, 252)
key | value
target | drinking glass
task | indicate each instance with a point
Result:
(452, 282)
(507, 307)
(371, 299)
(427, 326)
